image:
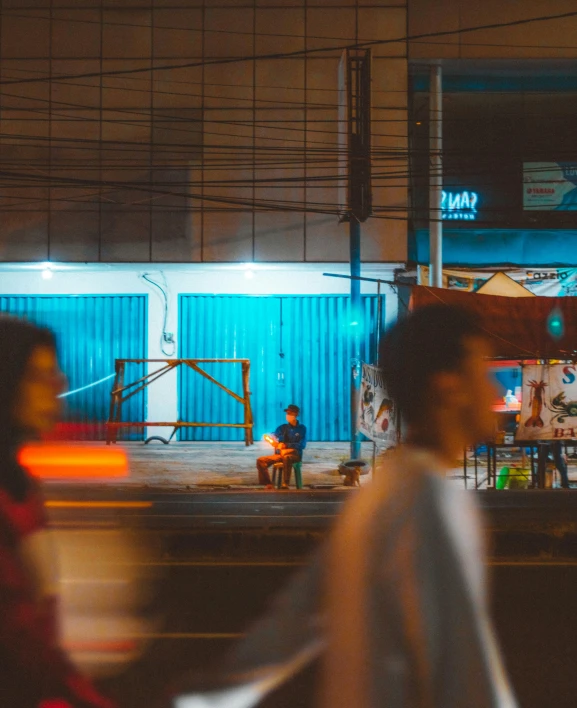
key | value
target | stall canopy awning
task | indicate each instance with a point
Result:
(518, 326)
(501, 284)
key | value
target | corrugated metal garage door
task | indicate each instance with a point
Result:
(92, 331)
(300, 352)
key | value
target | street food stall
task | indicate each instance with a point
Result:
(538, 334)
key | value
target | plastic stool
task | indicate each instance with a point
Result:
(277, 469)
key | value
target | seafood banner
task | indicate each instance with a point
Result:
(376, 416)
(549, 403)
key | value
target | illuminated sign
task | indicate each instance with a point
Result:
(550, 186)
(459, 205)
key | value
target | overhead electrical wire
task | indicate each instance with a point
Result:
(332, 208)
(68, 82)
(152, 118)
(109, 23)
(300, 52)
(278, 103)
(231, 202)
(218, 150)
(264, 204)
(309, 146)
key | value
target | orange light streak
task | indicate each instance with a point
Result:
(96, 505)
(122, 646)
(62, 461)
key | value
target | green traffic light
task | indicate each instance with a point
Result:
(555, 324)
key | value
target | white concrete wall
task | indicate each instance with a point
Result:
(269, 279)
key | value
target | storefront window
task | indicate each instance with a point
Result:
(493, 144)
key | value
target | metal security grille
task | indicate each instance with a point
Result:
(300, 352)
(91, 332)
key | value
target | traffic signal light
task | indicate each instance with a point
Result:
(556, 324)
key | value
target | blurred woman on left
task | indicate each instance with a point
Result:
(34, 671)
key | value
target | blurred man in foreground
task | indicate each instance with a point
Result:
(34, 671)
(395, 603)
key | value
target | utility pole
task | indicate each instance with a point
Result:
(375, 357)
(356, 325)
(435, 177)
(356, 198)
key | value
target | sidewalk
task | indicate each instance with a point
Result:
(232, 465)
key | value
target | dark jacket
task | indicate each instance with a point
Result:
(293, 436)
(33, 668)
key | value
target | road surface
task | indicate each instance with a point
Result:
(221, 556)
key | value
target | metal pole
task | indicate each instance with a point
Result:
(379, 325)
(356, 324)
(376, 360)
(435, 177)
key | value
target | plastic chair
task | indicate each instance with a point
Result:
(277, 469)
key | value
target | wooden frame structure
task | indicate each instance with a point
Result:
(121, 392)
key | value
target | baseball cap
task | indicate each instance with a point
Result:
(291, 408)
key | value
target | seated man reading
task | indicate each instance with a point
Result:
(290, 441)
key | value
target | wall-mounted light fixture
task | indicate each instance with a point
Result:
(47, 272)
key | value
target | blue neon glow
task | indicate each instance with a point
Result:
(460, 206)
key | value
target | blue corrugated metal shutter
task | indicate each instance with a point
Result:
(92, 331)
(215, 327)
(300, 352)
(317, 334)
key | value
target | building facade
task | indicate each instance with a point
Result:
(197, 143)
(509, 100)
(193, 131)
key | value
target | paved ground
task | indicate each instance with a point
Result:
(228, 464)
(222, 465)
(207, 550)
(206, 606)
(209, 563)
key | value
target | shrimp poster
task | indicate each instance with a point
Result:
(376, 416)
(549, 403)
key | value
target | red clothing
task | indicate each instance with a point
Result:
(33, 668)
